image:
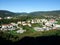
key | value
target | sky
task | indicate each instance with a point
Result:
(29, 5)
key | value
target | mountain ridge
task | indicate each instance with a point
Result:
(4, 13)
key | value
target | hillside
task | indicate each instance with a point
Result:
(4, 13)
(56, 12)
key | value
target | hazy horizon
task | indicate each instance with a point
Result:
(29, 5)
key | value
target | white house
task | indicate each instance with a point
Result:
(14, 24)
(57, 25)
(19, 22)
(0, 18)
(8, 17)
(35, 20)
(32, 21)
(28, 21)
(24, 23)
(21, 31)
(43, 20)
(29, 24)
(46, 28)
(48, 24)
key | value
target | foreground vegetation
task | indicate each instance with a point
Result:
(13, 36)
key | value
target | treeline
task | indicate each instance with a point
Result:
(16, 19)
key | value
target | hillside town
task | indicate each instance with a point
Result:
(46, 25)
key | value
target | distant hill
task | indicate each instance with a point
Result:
(57, 12)
(4, 13)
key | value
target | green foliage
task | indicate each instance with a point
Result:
(37, 25)
(9, 35)
(29, 29)
(13, 36)
(58, 22)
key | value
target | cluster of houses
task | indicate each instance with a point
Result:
(47, 25)
(12, 26)
(9, 17)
